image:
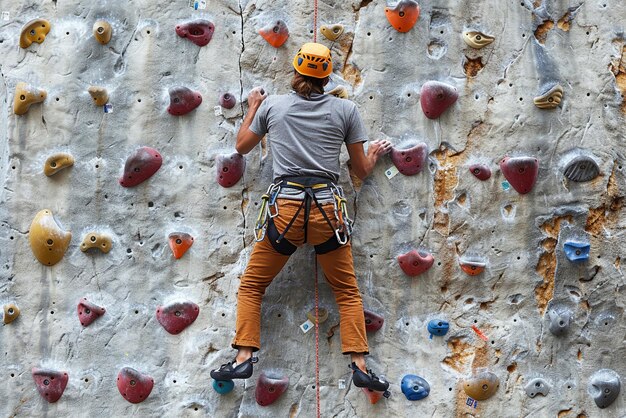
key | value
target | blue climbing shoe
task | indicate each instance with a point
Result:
(240, 371)
(369, 380)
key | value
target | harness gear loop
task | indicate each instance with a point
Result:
(268, 200)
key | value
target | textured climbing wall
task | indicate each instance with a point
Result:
(532, 313)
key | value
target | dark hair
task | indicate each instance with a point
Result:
(305, 85)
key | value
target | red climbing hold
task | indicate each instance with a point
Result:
(50, 383)
(269, 387)
(415, 262)
(88, 312)
(481, 171)
(134, 386)
(227, 101)
(276, 33)
(373, 321)
(180, 242)
(175, 317)
(230, 168)
(199, 31)
(183, 100)
(436, 98)
(141, 166)
(520, 172)
(404, 15)
(410, 161)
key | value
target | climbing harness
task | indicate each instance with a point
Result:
(310, 186)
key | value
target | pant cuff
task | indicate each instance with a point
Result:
(243, 343)
(356, 350)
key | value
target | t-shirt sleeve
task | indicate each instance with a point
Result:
(259, 123)
(355, 131)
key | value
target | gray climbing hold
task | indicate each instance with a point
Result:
(604, 386)
(559, 320)
(537, 386)
(581, 168)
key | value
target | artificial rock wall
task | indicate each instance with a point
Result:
(444, 210)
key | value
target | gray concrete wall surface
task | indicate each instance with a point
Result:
(528, 285)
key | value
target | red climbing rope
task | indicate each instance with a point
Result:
(317, 339)
(314, 20)
(317, 296)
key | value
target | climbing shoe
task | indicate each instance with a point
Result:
(240, 371)
(369, 380)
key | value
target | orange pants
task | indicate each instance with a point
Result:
(265, 263)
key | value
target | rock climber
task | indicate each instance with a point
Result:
(306, 130)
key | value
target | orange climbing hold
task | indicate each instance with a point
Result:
(276, 33)
(180, 242)
(47, 240)
(11, 312)
(26, 95)
(102, 31)
(34, 31)
(472, 265)
(99, 95)
(473, 269)
(404, 15)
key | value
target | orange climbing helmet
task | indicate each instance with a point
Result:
(313, 60)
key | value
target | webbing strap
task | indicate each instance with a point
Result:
(281, 236)
(283, 246)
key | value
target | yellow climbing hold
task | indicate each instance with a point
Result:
(102, 31)
(11, 312)
(99, 95)
(57, 162)
(47, 240)
(322, 312)
(96, 240)
(339, 91)
(551, 99)
(26, 95)
(34, 31)
(332, 32)
(477, 39)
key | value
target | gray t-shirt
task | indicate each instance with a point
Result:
(306, 136)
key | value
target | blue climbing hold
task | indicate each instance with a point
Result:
(576, 251)
(223, 386)
(414, 387)
(438, 327)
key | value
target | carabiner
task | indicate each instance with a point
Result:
(273, 191)
(261, 220)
